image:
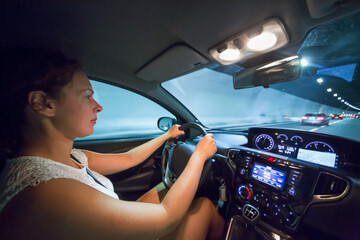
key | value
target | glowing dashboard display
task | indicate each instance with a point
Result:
(322, 158)
(268, 175)
(296, 146)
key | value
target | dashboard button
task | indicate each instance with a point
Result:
(292, 191)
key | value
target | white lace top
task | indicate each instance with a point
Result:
(29, 171)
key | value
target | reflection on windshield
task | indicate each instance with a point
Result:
(209, 94)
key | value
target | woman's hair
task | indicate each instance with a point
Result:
(23, 71)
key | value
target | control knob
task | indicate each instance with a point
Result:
(244, 192)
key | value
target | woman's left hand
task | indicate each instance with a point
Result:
(175, 132)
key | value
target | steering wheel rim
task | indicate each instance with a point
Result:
(172, 167)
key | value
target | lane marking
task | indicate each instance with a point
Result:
(315, 129)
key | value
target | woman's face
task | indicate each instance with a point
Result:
(76, 109)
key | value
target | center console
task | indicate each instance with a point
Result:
(279, 188)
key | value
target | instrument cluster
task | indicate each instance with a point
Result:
(309, 147)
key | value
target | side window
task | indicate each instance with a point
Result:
(125, 114)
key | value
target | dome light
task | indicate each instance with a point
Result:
(229, 54)
(261, 38)
(264, 41)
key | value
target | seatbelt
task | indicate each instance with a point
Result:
(88, 171)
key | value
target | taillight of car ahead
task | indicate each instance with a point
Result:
(320, 118)
(304, 117)
(341, 116)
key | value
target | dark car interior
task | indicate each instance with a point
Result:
(268, 182)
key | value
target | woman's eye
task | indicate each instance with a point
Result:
(89, 96)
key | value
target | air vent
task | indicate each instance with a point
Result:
(330, 187)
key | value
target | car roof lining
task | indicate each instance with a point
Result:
(114, 39)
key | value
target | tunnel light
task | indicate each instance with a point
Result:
(261, 38)
(329, 90)
(320, 80)
(339, 98)
(335, 95)
(342, 100)
(304, 62)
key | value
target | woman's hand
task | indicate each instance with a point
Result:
(206, 148)
(175, 132)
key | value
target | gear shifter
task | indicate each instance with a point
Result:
(252, 216)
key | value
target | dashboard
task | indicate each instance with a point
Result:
(282, 173)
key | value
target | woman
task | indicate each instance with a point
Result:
(47, 189)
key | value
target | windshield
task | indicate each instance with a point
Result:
(329, 84)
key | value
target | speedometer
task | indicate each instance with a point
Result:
(264, 142)
(319, 146)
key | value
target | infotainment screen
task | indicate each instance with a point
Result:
(322, 158)
(268, 175)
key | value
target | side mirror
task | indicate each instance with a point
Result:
(284, 70)
(165, 123)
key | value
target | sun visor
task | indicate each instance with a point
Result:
(174, 61)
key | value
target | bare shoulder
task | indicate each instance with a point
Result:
(64, 209)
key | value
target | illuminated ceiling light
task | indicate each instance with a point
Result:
(329, 90)
(335, 95)
(262, 42)
(342, 100)
(304, 62)
(320, 80)
(229, 53)
(339, 98)
(264, 37)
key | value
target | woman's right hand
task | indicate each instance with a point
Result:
(206, 148)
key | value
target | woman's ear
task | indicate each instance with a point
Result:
(41, 103)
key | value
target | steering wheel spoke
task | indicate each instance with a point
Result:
(177, 153)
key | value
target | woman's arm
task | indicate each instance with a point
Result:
(68, 209)
(112, 163)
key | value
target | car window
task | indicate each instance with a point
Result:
(125, 114)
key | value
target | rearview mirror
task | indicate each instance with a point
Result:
(284, 70)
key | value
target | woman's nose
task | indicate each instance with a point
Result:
(98, 107)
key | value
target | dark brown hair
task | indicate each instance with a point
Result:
(23, 71)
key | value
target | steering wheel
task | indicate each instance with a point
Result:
(176, 155)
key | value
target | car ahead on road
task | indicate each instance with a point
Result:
(315, 119)
(337, 116)
(233, 69)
